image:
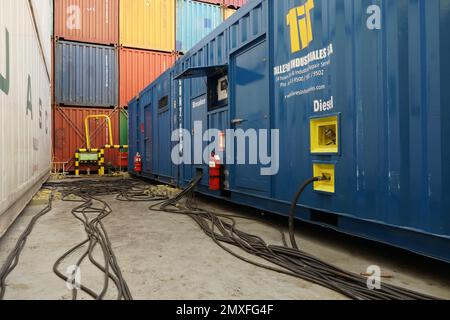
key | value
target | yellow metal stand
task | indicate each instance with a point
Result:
(100, 152)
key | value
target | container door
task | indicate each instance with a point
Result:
(174, 115)
(251, 112)
(132, 146)
(148, 143)
(199, 114)
(164, 149)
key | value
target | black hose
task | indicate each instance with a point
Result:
(293, 208)
(91, 212)
(290, 261)
(221, 228)
(13, 258)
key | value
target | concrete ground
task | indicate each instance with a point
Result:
(166, 256)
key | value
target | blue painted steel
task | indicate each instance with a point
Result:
(194, 21)
(134, 132)
(85, 75)
(388, 83)
(152, 121)
(250, 87)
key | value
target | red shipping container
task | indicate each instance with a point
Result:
(69, 133)
(227, 3)
(139, 68)
(93, 21)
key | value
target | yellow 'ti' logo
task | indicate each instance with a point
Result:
(299, 21)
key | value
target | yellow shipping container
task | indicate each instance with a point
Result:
(147, 24)
(227, 12)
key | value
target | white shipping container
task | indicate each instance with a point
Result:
(43, 10)
(25, 103)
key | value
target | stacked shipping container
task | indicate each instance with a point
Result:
(195, 20)
(86, 75)
(106, 51)
(94, 21)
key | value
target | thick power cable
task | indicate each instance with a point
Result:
(291, 261)
(91, 212)
(294, 207)
(13, 258)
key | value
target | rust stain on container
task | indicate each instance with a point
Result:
(138, 68)
(93, 21)
(69, 133)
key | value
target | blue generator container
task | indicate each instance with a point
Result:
(355, 91)
(153, 117)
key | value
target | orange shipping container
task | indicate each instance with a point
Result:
(139, 68)
(69, 133)
(93, 21)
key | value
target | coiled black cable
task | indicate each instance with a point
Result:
(290, 261)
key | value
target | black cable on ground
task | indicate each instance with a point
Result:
(13, 258)
(291, 261)
(91, 212)
(220, 227)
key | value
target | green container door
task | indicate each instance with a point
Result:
(123, 128)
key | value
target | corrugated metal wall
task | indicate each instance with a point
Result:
(148, 24)
(25, 113)
(389, 89)
(106, 51)
(94, 21)
(86, 75)
(138, 68)
(194, 21)
(43, 9)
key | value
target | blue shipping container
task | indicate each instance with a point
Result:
(194, 21)
(152, 119)
(85, 75)
(356, 90)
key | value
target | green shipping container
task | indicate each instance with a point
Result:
(124, 128)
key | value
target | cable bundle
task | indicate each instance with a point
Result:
(291, 261)
(91, 213)
(220, 228)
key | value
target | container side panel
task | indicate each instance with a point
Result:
(43, 12)
(138, 68)
(94, 21)
(386, 83)
(123, 127)
(194, 21)
(85, 75)
(148, 24)
(25, 106)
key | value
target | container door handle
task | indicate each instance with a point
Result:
(237, 121)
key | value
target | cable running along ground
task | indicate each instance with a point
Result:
(91, 212)
(13, 258)
(283, 259)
